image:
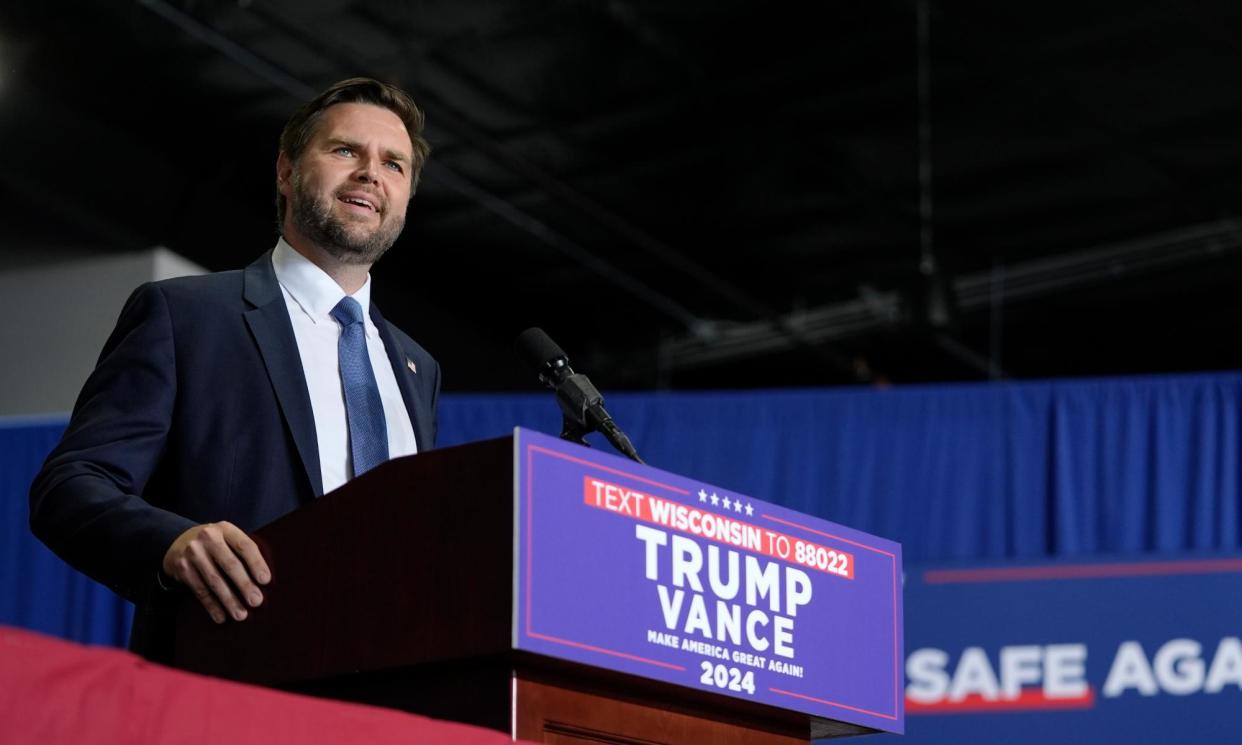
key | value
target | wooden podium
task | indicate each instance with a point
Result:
(399, 590)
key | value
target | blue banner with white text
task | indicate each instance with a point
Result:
(1075, 653)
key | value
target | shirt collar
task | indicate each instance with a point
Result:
(311, 288)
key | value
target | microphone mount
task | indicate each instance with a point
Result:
(582, 405)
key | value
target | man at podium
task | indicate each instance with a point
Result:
(224, 401)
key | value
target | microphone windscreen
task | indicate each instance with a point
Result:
(537, 349)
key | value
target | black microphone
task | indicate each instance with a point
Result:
(581, 403)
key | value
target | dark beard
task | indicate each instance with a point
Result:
(314, 219)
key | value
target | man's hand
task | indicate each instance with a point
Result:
(218, 561)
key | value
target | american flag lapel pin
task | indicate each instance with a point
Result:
(410, 364)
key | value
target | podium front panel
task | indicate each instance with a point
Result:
(629, 568)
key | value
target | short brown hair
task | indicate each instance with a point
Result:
(301, 126)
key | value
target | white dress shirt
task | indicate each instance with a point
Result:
(310, 295)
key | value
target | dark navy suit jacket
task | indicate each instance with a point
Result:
(198, 411)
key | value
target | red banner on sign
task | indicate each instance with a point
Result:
(716, 527)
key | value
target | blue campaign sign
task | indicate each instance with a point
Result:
(630, 568)
(1072, 652)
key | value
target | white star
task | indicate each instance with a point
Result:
(702, 496)
(715, 499)
(737, 506)
(749, 510)
(727, 503)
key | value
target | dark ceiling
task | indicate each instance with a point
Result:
(689, 194)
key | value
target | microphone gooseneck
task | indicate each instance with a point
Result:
(581, 403)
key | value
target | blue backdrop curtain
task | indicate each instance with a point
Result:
(967, 471)
(1146, 465)
(37, 590)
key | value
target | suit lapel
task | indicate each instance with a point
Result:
(401, 369)
(273, 333)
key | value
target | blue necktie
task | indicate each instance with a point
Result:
(368, 433)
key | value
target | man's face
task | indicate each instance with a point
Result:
(348, 191)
